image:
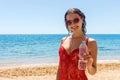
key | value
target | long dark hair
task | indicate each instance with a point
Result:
(77, 11)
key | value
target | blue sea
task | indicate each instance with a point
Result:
(23, 49)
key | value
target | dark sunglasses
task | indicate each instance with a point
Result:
(69, 22)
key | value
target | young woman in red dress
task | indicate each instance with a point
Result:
(69, 48)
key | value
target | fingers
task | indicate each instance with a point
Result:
(89, 61)
(87, 57)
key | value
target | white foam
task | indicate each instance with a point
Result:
(108, 61)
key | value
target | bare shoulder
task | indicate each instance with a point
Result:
(92, 42)
(63, 39)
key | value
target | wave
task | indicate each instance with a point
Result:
(103, 48)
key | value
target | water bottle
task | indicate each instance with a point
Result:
(83, 50)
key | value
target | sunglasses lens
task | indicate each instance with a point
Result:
(76, 20)
(69, 22)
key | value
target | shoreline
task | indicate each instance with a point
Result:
(15, 65)
(48, 72)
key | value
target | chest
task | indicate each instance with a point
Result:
(64, 56)
(71, 45)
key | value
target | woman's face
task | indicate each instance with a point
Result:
(74, 22)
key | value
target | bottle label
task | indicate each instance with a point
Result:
(82, 52)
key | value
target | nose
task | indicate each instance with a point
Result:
(72, 23)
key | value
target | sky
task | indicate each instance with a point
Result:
(47, 16)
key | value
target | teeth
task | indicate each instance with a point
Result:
(75, 27)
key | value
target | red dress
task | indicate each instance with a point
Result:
(69, 65)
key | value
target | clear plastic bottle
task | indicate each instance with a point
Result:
(83, 50)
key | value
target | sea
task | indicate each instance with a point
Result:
(29, 49)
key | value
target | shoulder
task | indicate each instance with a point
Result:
(92, 42)
(63, 39)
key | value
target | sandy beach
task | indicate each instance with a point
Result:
(106, 71)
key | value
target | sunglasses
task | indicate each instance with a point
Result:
(69, 22)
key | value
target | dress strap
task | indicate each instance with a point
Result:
(87, 41)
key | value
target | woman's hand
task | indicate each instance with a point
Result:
(89, 60)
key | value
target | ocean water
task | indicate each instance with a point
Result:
(43, 48)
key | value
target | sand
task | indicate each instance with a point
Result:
(106, 71)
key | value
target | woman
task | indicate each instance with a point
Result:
(69, 48)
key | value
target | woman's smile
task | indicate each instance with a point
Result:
(74, 27)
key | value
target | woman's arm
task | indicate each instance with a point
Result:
(92, 62)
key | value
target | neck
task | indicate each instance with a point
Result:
(78, 36)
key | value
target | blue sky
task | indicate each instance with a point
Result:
(47, 16)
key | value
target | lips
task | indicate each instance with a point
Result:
(74, 27)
